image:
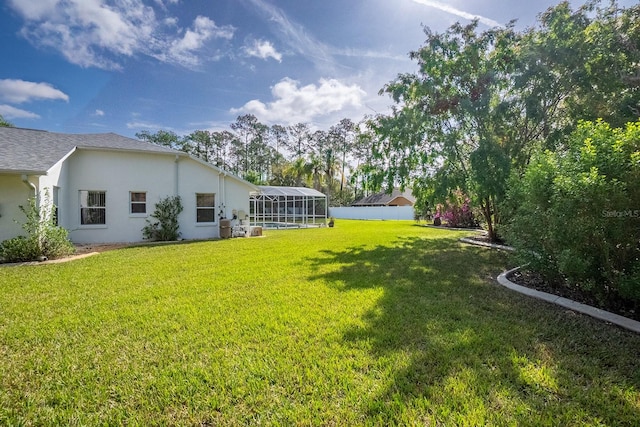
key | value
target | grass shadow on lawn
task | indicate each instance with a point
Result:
(466, 351)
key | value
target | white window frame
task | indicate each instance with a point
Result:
(85, 204)
(137, 203)
(211, 208)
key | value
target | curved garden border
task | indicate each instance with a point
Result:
(616, 319)
(51, 261)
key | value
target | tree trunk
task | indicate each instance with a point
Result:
(488, 217)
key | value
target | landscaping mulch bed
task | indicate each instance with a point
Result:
(94, 247)
(531, 279)
(611, 303)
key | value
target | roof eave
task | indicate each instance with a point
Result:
(129, 150)
(22, 172)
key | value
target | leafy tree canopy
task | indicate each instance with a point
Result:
(481, 102)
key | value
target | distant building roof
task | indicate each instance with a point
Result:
(270, 190)
(36, 151)
(396, 198)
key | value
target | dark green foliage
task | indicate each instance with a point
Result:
(166, 226)
(575, 213)
(18, 249)
(449, 130)
(254, 178)
(482, 102)
(5, 123)
(166, 138)
(43, 240)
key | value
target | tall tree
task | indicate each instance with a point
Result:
(343, 135)
(449, 116)
(369, 169)
(481, 102)
(279, 135)
(221, 141)
(592, 56)
(325, 149)
(299, 139)
(201, 144)
(249, 147)
(165, 138)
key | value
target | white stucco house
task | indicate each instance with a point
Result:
(105, 185)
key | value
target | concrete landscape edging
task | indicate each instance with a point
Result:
(487, 244)
(50, 261)
(616, 319)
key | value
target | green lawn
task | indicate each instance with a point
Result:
(374, 323)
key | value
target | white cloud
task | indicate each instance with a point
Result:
(457, 12)
(163, 4)
(294, 103)
(182, 50)
(9, 112)
(98, 113)
(34, 9)
(145, 125)
(94, 33)
(263, 49)
(171, 21)
(294, 35)
(19, 91)
(371, 54)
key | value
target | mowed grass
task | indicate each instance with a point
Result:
(368, 323)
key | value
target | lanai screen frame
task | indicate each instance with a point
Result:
(287, 206)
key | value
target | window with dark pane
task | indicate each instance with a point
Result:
(93, 207)
(138, 202)
(205, 207)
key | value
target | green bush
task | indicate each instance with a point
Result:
(19, 249)
(575, 213)
(43, 239)
(166, 226)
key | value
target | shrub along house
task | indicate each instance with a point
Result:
(105, 185)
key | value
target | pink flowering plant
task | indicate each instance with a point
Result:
(439, 213)
(458, 212)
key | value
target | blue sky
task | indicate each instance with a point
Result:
(93, 66)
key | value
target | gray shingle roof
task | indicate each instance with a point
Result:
(383, 199)
(28, 150)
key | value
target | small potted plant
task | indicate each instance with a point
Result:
(332, 221)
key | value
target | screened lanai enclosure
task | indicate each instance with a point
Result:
(287, 207)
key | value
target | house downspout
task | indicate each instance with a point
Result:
(30, 184)
(176, 187)
(221, 192)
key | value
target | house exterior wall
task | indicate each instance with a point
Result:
(13, 193)
(236, 194)
(193, 178)
(118, 173)
(115, 173)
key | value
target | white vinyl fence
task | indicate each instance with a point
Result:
(372, 212)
